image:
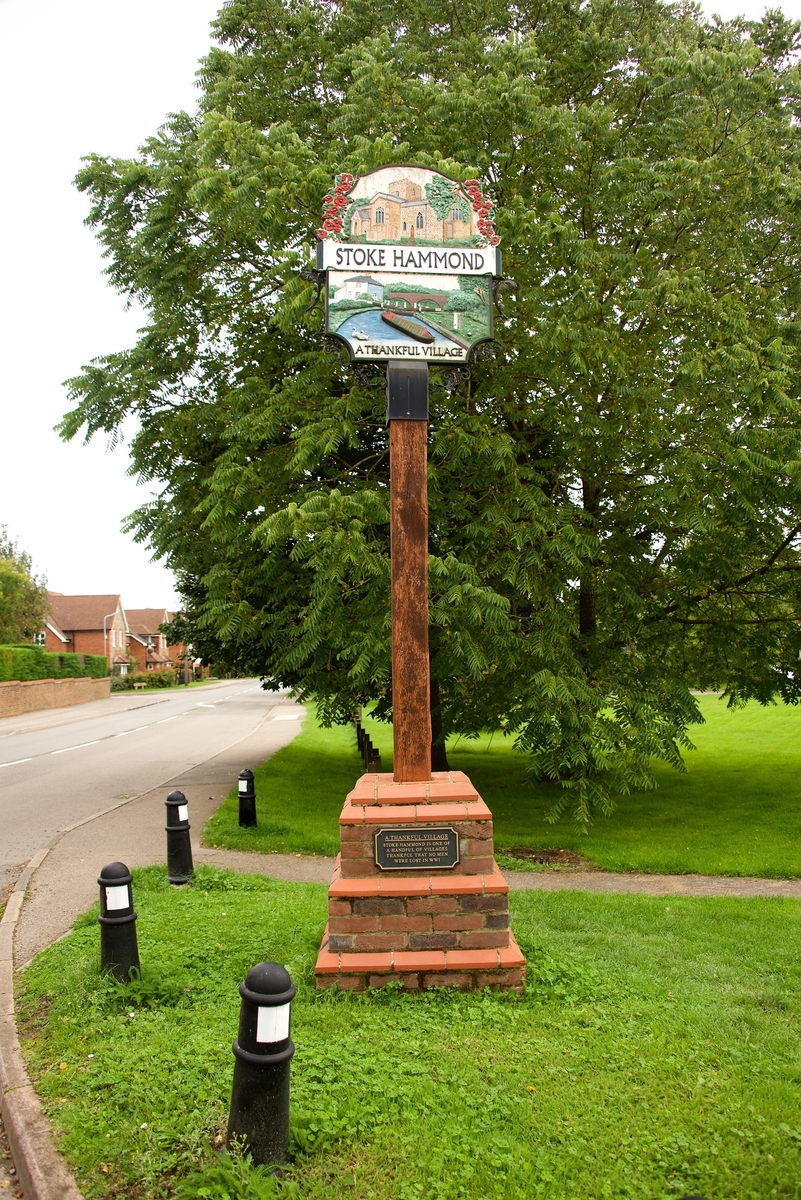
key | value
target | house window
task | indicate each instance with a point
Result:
(456, 214)
(39, 639)
(379, 216)
(420, 221)
(404, 225)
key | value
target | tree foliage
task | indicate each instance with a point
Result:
(23, 595)
(614, 498)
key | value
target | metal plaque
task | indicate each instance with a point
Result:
(416, 848)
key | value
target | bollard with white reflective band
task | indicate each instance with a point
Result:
(119, 952)
(180, 867)
(259, 1117)
(247, 799)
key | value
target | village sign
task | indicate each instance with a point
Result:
(411, 256)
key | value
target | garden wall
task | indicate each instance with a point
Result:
(16, 697)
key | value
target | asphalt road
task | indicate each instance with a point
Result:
(61, 766)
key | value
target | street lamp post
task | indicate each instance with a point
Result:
(105, 636)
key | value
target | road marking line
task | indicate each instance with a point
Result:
(80, 746)
(138, 729)
(200, 704)
(166, 719)
(14, 763)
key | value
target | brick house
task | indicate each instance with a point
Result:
(146, 644)
(87, 625)
(402, 213)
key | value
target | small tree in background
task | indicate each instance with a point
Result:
(23, 595)
(441, 195)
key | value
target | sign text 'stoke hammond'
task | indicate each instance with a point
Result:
(459, 261)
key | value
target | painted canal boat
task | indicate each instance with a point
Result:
(412, 328)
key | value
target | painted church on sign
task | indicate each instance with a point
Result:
(403, 213)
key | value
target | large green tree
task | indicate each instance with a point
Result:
(23, 595)
(615, 498)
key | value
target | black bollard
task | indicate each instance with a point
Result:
(259, 1116)
(119, 952)
(180, 867)
(247, 799)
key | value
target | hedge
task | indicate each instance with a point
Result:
(26, 662)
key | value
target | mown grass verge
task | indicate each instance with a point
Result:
(737, 810)
(656, 1053)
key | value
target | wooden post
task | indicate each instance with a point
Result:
(408, 461)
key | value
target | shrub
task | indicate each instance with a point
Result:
(158, 679)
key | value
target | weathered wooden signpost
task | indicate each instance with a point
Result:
(416, 896)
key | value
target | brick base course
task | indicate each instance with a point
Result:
(416, 970)
(446, 928)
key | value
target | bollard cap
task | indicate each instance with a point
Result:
(247, 786)
(265, 1015)
(116, 893)
(177, 810)
(115, 873)
(268, 984)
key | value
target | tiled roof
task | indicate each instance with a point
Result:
(81, 612)
(146, 621)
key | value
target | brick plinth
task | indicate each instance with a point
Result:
(440, 928)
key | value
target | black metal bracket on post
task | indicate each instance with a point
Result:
(407, 391)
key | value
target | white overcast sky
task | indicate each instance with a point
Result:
(78, 76)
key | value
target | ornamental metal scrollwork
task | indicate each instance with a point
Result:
(332, 345)
(369, 375)
(498, 286)
(455, 377)
(312, 275)
(486, 352)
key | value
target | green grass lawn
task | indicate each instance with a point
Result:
(656, 1053)
(737, 810)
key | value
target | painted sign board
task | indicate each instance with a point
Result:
(410, 256)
